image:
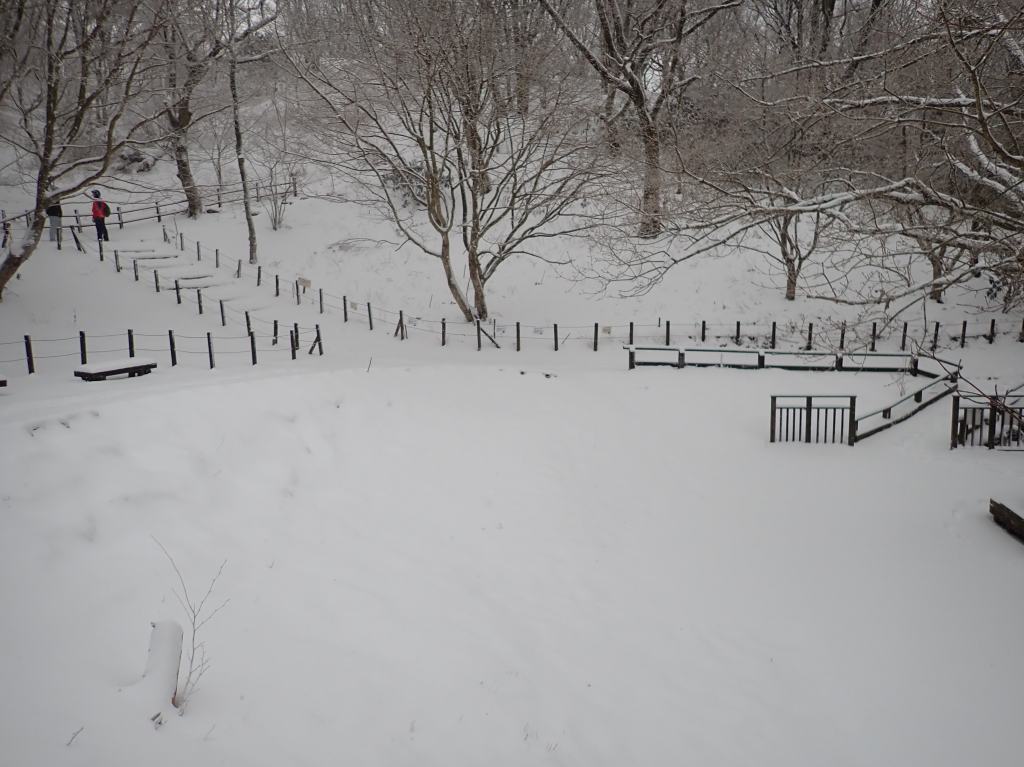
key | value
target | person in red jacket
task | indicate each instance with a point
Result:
(100, 211)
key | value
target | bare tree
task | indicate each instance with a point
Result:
(195, 35)
(642, 55)
(418, 121)
(77, 84)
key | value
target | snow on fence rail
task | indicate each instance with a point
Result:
(805, 417)
(126, 215)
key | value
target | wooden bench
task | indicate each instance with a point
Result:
(101, 371)
(680, 352)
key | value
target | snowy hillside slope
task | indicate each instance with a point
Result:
(444, 556)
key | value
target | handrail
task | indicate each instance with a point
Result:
(910, 395)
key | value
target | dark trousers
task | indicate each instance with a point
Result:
(101, 229)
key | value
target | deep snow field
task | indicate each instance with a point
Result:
(451, 557)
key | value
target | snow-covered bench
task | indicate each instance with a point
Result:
(751, 358)
(100, 371)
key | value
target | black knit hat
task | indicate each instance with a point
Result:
(96, 193)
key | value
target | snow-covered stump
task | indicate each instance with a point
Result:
(157, 690)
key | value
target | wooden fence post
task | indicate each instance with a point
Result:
(479, 340)
(595, 336)
(954, 440)
(252, 347)
(293, 341)
(81, 347)
(117, 262)
(209, 348)
(319, 342)
(157, 206)
(668, 332)
(135, 268)
(519, 345)
(963, 333)
(259, 275)
(771, 438)
(556, 336)
(238, 270)
(177, 291)
(737, 332)
(991, 442)
(216, 257)
(223, 318)
(807, 420)
(156, 280)
(321, 300)
(344, 308)
(174, 352)
(167, 238)
(131, 343)
(992, 331)
(842, 336)
(28, 356)
(120, 219)
(444, 332)
(369, 314)
(199, 252)
(874, 334)
(903, 339)
(277, 285)
(181, 241)
(248, 322)
(851, 432)
(100, 243)
(810, 335)
(935, 337)
(274, 342)
(298, 298)
(703, 331)
(630, 333)
(199, 298)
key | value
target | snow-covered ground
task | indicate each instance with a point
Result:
(444, 556)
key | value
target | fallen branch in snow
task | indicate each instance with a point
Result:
(74, 735)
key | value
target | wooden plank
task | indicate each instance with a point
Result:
(1007, 519)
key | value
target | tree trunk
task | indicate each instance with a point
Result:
(479, 168)
(611, 129)
(476, 279)
(453, 285)
(791, 275)
(650, 206)
(179, 140)
(935, 294)
(522, 92)
(246, 202)
(10, 265)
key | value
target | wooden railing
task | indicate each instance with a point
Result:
(830, 418)
(987, 421)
